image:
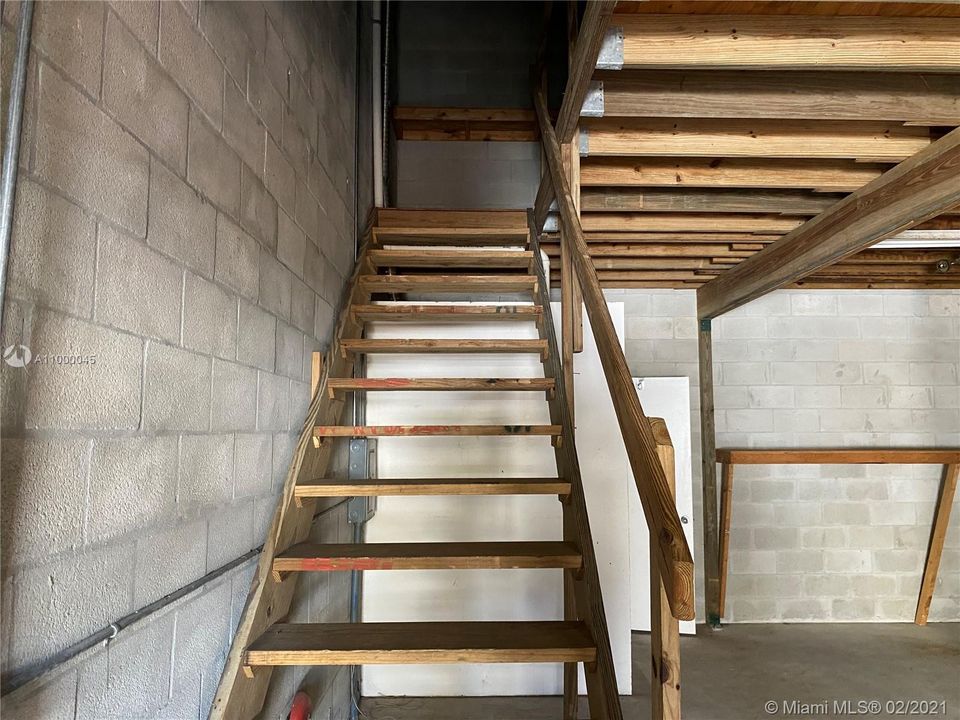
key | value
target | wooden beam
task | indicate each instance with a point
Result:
(726, 511)
(657, 501)
(451, 123)
(840, 456)
(624, 199)
(930, 99)
(826, 175)
(917, 189)
(697, 137)
(689, 222)
(941, 518)
(753, 42)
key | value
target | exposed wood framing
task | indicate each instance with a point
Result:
(449, 123)
(917, 189)
(708, 474)
(625, 199)
(941, 518)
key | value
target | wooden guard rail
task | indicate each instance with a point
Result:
(949, 458)
(675, 560)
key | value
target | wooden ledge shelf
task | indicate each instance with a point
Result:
(422, 643)
(432, 486)
(948, 457)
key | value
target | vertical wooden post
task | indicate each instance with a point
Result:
(571, 163)
(664, 628)
(726, 508)
(708, 445)
(316, 371)
(569, 301)
(941, 518)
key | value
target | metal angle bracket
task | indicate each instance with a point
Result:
(611, 51)
(362, 466)
(593, 102)
(584, 142)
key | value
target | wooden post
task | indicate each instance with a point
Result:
(708, 445)
(316, 371)
(726, 508)
(941, 518)
(664, 628)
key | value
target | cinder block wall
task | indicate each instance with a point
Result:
(185, 223)
(834, 543)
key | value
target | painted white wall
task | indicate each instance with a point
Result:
(491, 594)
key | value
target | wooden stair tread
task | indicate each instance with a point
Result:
(451, 258)
(515, 219)
(321, 431)
(432, 486)
(449, 384)
(464, 237)
(431, 345)
(421, 642)
(461, 313)
(307, 557)
(457, 283)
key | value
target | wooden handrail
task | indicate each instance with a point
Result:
(656, 498)
(839, 456)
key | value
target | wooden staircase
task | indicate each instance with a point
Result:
(448, 254)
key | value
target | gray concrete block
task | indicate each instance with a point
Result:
(212, 165)
(323, 323)
(295, 140)
(143, 97)
(299, 403)
(275, 283)
(52, 260)
(258, 210)
(182, 225)
(133, 484)
(132, 679)
(310, 346)
(279, 177)
(276, 61)
(308, 210)
(59, 603)
(273, 399)
(253, 463)
(55, 699)
(221, 26)
(206, 474)
(137, 289)
(234, 397)
(98, 388)
(264, 97)
(231, 533)
(284, 445)
(242, 128)
(72, 37)
(291, 244)
(88, 156)
(43, 497)
(176, 394)
(209, 318)
(238, 259)
(142, 18)
(303, 306)
(191, 61)
(289, 351)
(257, 344)
(264, 508)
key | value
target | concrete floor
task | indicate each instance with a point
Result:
(732, 673)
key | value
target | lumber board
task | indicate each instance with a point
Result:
(895, 8)
(708, 473)
(398, 345)
(840, 456)
(699, 137)
(446, 283)
(422, 642)
(475, 124)
(929, 99)
(328, 431)
(941, 519)
(689, 222)
(426, 258)
(458, 220)
(825, 175)
(435, 312)
(316, 557)
(748, 42)
(915, 190)
(626, 199)
(433, 486)
(657, 501)
(397, 384)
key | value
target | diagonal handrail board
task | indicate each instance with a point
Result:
(602, 693)
(657, 500)
(240, 697)
(919, 188)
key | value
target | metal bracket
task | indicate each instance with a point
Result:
(584, 142)
(611, 51)
(706, 325)
(362, 466)
(552, 223)
(593, 102)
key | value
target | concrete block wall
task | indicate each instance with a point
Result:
(185, 223)
(828, 543)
